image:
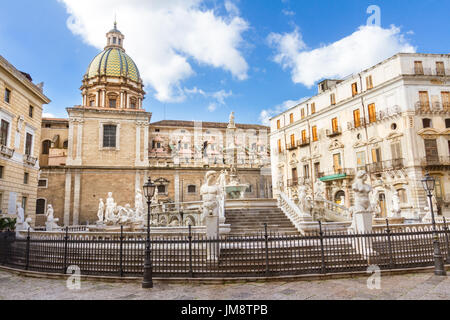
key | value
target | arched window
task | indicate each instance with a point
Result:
(46, 146)
(162, 189)
(40, 206)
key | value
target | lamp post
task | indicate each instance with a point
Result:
(149, 191)
(429, 183)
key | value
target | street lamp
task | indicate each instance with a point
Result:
(429, 183)
(149, 191)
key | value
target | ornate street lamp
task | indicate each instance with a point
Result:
(149, 192)
(429, 183)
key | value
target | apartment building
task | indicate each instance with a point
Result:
(20, 117)
(391, 120)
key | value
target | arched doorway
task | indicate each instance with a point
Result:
(382, 201)
(339, 198)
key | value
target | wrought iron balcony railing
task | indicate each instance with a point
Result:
(303, 143)
(290, 146)
(334, 132)
(424, 107)
(436, 161)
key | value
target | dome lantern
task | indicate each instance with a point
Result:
(114, 38)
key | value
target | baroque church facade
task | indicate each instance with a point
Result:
(108, 144)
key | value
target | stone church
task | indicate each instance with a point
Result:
(108, 144)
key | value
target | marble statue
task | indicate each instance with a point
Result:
(396, 205)
(303, 199)
(20, 213)
(101, 211)
(27, 224)
(374, 202)
(111, 207)
(51, 224)
(126, 214)
(319, 190)
(210, 193)
(231, 123)
(362, 191)
(222, 180)
(139, 205)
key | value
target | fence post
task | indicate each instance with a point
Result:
(121, 251)
(66, 239)
(266, 236)
(391, 258)
(322, 249)
(447, 259)
(27, 263)
(191, 273)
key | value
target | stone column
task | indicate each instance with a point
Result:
(70, 147)
(76, 199)
(67, 192)
(177, 187)
(103, 98)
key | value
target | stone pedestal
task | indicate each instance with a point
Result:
(362, 224)
(212, 232)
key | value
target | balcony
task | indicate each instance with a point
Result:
(440, 161)
(424, 107)
(383, 166)
(303, 143)
(291, 146)
(334, 132)
(29, 159)
(356, 125)
(338, 174)
(292, 183)
(428, 72)
(6, 152)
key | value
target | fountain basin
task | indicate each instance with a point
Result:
(236, 192)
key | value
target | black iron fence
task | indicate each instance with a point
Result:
(261, 255)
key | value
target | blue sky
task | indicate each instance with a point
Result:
(257, 54)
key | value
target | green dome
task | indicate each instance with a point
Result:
(113, 62)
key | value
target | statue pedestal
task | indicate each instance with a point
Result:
(362, 224)
(212, 232)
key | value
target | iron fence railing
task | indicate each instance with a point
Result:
(264, 254)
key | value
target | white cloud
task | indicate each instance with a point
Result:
(231, 8)
(221, 95)
(164, 36)
(288, 13)
(48, 115)
(218, 96)
(265, 115)
(365, 47)
(212, 107)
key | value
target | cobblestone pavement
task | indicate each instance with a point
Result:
(410, 286)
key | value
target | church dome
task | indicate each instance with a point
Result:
(113, 62)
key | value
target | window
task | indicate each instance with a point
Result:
(424, 100)
(361, 160)
(48, 125)
(132, 104)
(354, 89)
(109, 136)
(294, 176)
(372, 113)
(4, 133)
(249, 189)
(162, 189)
(447, 123)
(24, 205)
(303, 136)
(30, 111)
(306, 171)
(396, 151)
(114, 40)
(334, 125)
(403, 196)
(7, 95)
(42, 183)
(333, 99)
(302, 113)
(445, 95)
(357, 118)
(66, 144)
(431, 150)
(426, 123)
(418, 67)
(313, 108)
(112, 103)
(291, 118)
(28, 144)
(192, 189)
(25, 177)
(376, 155)
(2, 169)
(278, 124)
(317, 169)
(440, 70)
(279, 146)
(46, 146)
(337, 162)
(292, 140)
(40, 206)
(91, 103)
(314, 133)
(369, 82)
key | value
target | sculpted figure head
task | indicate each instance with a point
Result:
(209, 176)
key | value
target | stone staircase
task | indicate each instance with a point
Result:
(251, 220)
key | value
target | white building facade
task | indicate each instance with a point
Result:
(391, 120)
